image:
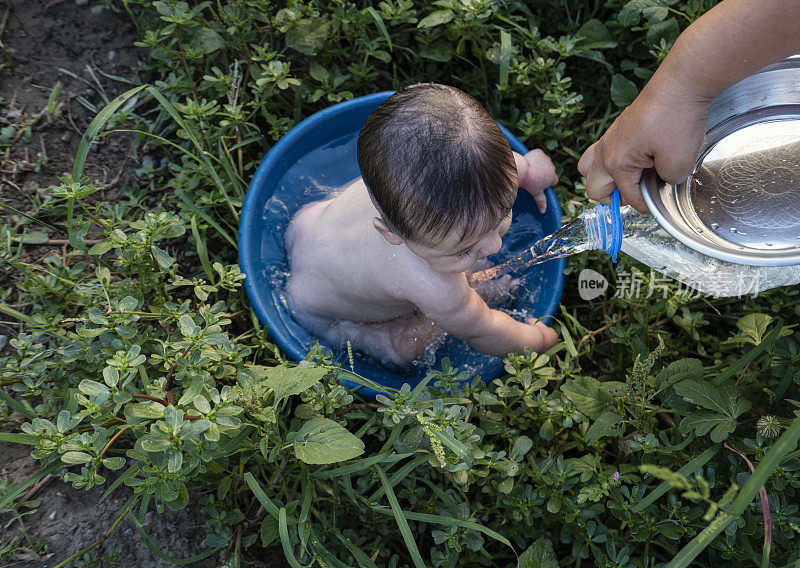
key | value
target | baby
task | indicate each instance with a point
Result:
(385, 263)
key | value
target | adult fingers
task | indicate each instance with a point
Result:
(628, 181)
(599, 183)
(676, 166)
(603, 175)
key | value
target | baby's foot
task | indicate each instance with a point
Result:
(498, 291)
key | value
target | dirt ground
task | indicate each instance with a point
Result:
(91, 54)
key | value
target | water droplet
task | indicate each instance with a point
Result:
(733, 230)
(699, 229)
(768, 244)
(699, 210)
(306, 192)
(715, 225)
(713, 199)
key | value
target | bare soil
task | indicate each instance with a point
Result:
(90, 52)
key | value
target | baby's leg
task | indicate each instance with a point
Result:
(400, 340)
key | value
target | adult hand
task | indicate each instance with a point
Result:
(663, 128)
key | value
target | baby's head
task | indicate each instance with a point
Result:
(437, 167)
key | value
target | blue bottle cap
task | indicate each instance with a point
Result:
(613, 246)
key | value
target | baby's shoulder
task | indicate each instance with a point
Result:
(421, 284)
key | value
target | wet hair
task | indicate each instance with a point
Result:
(433, 161)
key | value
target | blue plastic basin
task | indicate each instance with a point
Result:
(319, 154)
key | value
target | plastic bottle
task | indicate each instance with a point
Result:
(614, 228)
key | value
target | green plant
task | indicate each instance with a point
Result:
(140, 362)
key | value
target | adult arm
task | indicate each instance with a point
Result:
(664, 127)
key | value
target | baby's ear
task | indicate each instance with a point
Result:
(380, 226)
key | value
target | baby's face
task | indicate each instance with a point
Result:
(456, 254)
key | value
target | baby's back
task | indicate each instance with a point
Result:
(340, 266)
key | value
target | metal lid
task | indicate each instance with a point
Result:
(742, 203)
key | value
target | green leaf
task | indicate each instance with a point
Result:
(318, 72)
(754, 326)
(679, 370)
(90, 387)
(201, 403)
(155, 444)
(308, 35)
(522, 446)
(291, 381)
(181, 500)
(12, 491)
(458, 448)
(505, 57)
(187, 326)
(722, 399)
(76, 457)
(652, 10)
(269, 530)
(587, 396)
(623, 91)
(668, 30)
(402, 523)
(206, 40)
(102, 247)
(439, 51)
(323, 441)
(76, 234)
(33, 238)
(703, 421)
(538, 555)
(14, 438)
(22, 408)
(283, 532)
(603, 426)
(114, 463)
(145, 410)
(594, 35)
(194, 390)
(7, 134)
(381, 26)
(447, 522)
(436, 18)
(750, 356)
(128, 304)
(95, 127)
(162, 258)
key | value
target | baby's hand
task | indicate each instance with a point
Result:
(548, 334)
(536, 173)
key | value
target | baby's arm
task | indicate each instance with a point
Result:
(459, 310)
(536, 173)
